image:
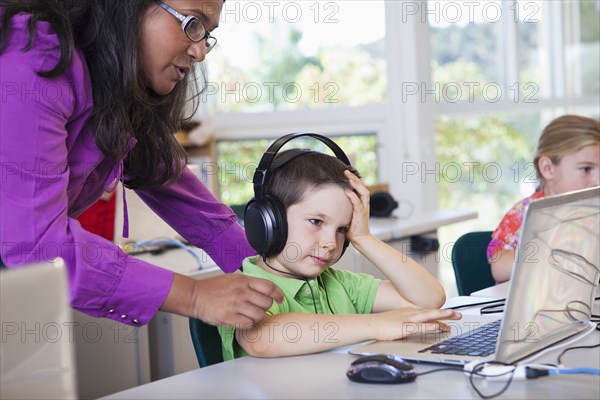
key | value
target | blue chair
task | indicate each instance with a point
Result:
(469, 260)
(207, 342)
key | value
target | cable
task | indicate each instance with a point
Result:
(574, 348)
(171, 242)
(326, 294)
(492, 309)
(475, 304)
(572, 371)
(305, 279)
(459, 369)
(534, 373)
(497, 370)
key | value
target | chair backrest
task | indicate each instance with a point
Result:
(207, 342)
(469, 260)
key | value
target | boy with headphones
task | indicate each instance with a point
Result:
(308, 207)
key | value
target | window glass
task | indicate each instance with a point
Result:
(238, 161)
(465, 45)
(531, 49)
(289, 55)
(583, 53)
(485, 166)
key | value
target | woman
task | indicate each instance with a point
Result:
(92, 94)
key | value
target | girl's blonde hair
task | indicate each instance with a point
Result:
(565, 135)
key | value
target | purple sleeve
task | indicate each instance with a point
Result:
(39, 117)
(192, 210)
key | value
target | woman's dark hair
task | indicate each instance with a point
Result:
(108, 33)
(306, 172)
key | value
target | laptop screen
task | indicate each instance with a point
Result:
(556, 272)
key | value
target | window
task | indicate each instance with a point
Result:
(502, 71)
(239, 159)
(291, 55)
(304, 56)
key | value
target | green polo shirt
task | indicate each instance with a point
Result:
(348, 292)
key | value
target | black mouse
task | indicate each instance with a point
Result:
(381, 368)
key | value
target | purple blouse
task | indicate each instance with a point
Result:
(52, 171)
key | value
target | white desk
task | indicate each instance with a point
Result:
(322, 376)
(499, 291)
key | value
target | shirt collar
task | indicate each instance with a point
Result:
(291, 286)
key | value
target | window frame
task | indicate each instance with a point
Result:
(405, 126)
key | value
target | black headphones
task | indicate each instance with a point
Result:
(264, 218)
(382, 204)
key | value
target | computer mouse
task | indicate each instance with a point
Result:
(381, 368)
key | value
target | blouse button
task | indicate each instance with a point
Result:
(135, 321)
(112, 311)
(123, 316)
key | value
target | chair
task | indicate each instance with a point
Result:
(469, 260)
(207, 342)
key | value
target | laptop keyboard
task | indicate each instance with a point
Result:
(479, 342)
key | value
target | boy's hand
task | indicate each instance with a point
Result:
(397, 324)
(359, 227)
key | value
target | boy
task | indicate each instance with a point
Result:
(326, 205)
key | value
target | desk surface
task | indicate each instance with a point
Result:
(499, 291)
(322, 376)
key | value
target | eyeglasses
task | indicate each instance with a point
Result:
(192, 27)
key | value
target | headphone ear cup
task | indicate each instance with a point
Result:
(265, 224)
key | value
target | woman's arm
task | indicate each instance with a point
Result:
(299, 333)
(197, 215)
(409, 283)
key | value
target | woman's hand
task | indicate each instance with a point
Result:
(360, 198)
(232, 300)
(397, 324)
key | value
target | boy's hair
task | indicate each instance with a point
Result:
(306, 172)
(565, 135)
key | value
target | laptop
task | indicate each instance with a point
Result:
(550, 296)
(37, 355)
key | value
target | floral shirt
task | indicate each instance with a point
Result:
(506, 235)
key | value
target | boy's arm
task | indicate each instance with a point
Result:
(301, 333)
(409, 283)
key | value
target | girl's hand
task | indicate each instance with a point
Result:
(360, 198)
(397, 324)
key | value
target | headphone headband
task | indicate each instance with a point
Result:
(265, 216)
(261, 174)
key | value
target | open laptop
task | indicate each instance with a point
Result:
(37, 358)
(550, 297)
